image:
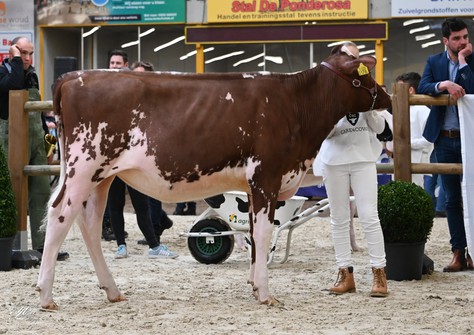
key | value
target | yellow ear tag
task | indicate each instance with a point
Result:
(363, 70)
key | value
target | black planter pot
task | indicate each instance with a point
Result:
(404, 260)
(6, 246)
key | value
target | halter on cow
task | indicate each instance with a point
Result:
(183, 137)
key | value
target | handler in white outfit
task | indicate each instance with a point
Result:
(347, 159)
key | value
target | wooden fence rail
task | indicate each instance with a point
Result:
(402, 168)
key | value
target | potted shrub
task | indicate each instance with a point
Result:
(8, 215)
(406, 215)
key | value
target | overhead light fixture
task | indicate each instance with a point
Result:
(274, 59)
(232, 54)
(417, 30)
(170, 43)
(330, 45)
(132, 43)
(427, 44)
(148, 32)
(409, 22)
(129, 44)
(424, 37)
(366, 52)
(90, 32)
(192, 53)
(248, 59)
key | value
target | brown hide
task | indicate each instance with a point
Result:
(213, 121)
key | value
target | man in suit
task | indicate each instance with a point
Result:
(450, 72)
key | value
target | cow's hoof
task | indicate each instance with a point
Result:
(51, 306)
(271, 301)
(119, 298)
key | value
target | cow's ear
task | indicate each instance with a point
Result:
(335, 50)
(368, 61)
(355, 64)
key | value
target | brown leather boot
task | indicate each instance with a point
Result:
(458, 262)
(344, 282)
(380, 283)
(469, 263)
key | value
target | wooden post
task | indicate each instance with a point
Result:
(18, 143)
(401, 132)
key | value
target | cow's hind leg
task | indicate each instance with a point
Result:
(59, 221)
(91, 229)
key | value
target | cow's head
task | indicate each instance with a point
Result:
(345, 63)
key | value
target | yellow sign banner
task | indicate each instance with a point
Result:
(220, 11)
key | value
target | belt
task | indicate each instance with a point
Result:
(450, 133)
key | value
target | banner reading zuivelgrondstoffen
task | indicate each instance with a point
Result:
(219, 11)
(430, 8)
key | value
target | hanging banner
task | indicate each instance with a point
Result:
(17, 18)
(219, 11)
(110, 12)
(430, 8)
(466, 120)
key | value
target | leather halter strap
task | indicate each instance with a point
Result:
(355, 82)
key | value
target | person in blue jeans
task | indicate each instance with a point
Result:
(432, 183)
(450, 72)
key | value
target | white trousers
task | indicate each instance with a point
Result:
(362, 178)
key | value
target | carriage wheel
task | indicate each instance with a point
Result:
(211, 250)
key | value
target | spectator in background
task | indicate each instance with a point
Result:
(420, 148)
(17, 73)
(159, 218)
(450, 72)
(116, 200)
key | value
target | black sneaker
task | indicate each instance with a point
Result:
(167, 223)
(108, 234)
(62, 255)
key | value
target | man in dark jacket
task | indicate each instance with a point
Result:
(450, 72)
(17, 73)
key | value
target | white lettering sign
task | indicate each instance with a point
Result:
(432, 8)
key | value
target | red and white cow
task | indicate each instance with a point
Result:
(183, 137)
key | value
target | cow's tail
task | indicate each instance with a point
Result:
(57, 95)
(58, 192)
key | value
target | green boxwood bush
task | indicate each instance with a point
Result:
(406, 212)
(8, 213)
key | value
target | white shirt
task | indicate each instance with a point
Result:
(352, 140)
(420, 148)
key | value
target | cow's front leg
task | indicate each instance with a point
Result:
(261, 233)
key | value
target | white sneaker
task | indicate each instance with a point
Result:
(161, 251)
(121, 251)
